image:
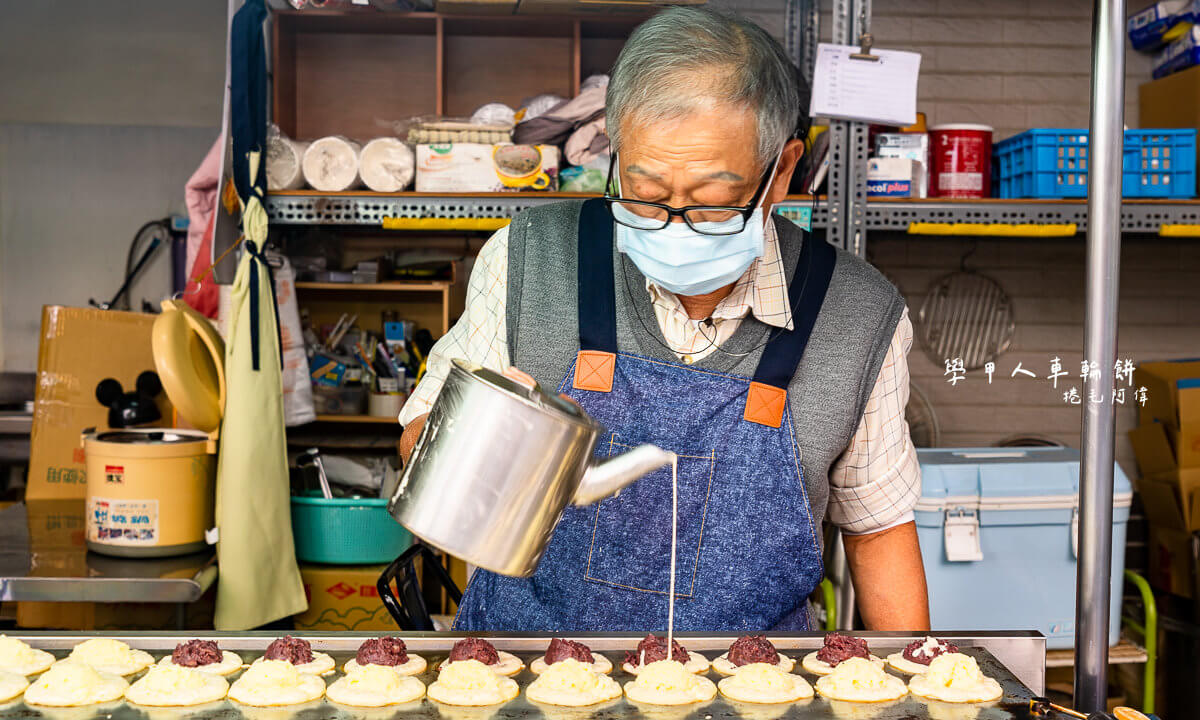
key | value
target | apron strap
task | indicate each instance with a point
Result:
(259, 257)
(767, 396)
(597, 302)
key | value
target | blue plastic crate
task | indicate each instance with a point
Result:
(1159, 164)
(1053, 163)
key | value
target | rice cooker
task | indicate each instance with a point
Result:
(151, 491)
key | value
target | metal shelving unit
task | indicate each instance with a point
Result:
(306, 207)
(1027, 218)
(938, 216)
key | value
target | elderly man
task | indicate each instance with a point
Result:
(679, 311)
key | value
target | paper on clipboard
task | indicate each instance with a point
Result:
(882, 91)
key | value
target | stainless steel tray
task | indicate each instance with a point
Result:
(434, 646)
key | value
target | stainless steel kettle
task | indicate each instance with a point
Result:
(496, 464)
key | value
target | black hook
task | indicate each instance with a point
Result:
(962, 262)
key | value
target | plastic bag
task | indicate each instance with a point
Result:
(297, 388)
(493, 114)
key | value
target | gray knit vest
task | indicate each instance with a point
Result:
(827, 394)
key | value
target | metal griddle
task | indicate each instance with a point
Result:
(1025, 651)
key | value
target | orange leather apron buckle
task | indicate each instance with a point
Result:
(764, 404)
(594, 370)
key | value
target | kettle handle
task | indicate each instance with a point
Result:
(411, 613)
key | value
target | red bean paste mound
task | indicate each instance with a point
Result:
(194, 653)
(752, 649)
(382, 651)
(839, 648)
(474, 649)
(560, 650)
(294, 650)
(655, 649)
(910, 651)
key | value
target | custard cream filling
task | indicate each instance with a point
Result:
(571, 682)
(668, 682)
(375, 686)
(16, 656)
(71, 683)
(175, 685)
(955, 677)
(470, 682)
(765, 683)
(109, 655)
(861, 680)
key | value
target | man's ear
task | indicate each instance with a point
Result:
(788, 162)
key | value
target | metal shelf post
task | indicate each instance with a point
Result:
(848, 149)
(1100, 347)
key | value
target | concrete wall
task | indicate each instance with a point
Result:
(1159, 319)
(105, 110)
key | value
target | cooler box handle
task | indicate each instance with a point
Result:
(960, 532)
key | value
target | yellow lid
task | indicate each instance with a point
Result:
(190, 358)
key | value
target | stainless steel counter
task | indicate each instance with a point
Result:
(43, 558)
(1026, 648)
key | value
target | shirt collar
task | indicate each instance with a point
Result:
(762, 290)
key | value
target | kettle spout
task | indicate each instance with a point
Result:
(606, 478)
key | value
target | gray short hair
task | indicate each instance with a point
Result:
(739, 64)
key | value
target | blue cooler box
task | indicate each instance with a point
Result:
(1022, 505)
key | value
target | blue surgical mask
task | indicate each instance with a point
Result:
(685, 262)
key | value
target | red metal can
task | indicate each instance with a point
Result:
(960, 159)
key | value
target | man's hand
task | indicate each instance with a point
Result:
(408, 438)
(889, 579)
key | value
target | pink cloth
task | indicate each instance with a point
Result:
(587, 143)
(200, 194)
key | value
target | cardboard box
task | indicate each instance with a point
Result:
(1184, 485)
(1152, 448)
(79, 348)
(477, 167)
(914, 146)
(1174, 565)
(894, 177)
(1172, 400)
(343, 597)
(1172, 505)
(1171, 102)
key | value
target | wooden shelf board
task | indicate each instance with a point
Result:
(1121, 653)
(356, 419)
(434, 286)
(368, 20)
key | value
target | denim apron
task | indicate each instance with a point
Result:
(748, 555)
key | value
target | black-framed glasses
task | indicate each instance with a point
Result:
(704, 219)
